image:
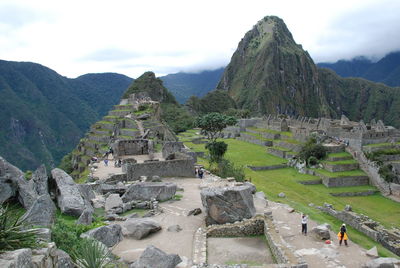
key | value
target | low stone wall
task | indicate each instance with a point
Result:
(258, 225)
(171, 147)
(290, 146)
(335, 149)
(251, 139)
(257, 168)
(276, 152)
(388, 239)
(129, 132)
(371, 149)
(310, 182)
(266, 135)
(340, 167)
(345, 181)
(329, 158)
(169, 168)
(395, 157)
(346, 194)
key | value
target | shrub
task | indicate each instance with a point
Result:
(312, 149)
(217, 149)
(226, 168)
(386, 171)
(92, 254)
(14, 231)
(312, 160)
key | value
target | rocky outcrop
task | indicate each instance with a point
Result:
(26, 192)
(155, 258)
(69, 198)
(150, 190)
(321, 232)
(108, 235)
(113, 201)
(228, 205)
(86, 218)
(40, 179)
(382, 263)
(21, 258)
(8, 175)
(42, 212)
(139, 228)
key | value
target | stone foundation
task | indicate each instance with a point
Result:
(340, 167)
(345, 181)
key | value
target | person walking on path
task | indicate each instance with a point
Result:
(106, 162)
(304, 224)
(201, 172)
(342, 235)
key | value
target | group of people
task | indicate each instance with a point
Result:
(342, 235)
(199, 172)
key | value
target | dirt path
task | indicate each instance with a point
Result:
(184, 243)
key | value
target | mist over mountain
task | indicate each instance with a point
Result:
(386, 70)
(270, 73)
(185, 85)
(43, 114)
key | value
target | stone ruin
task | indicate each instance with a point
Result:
(390, 239)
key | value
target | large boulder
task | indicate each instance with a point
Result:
(382, 263)
(160, 191)
(26, 192)
(40, 179)
(109, 235)
(113, 201)
(21, 258)
(86, 218)
(42, 212)
(62, 259)
(8, 175)
(155, 258)
(69, 198)
(228, 205)
(139, 228)
(321, 232)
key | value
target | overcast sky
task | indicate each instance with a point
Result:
(168, 36)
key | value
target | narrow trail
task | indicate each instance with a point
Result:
(140, 127)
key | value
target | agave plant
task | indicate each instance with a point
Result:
(14, 232)
(92, 254)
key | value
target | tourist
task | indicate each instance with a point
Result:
(342, 235)
(201, 172)
(196, 172)
(119, 162)
(106, 162)
(304, 224)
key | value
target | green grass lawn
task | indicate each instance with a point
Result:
(339, 155)
(357, 172)
(341, 162)
(257, 136)
(299, 196)
(285, 133)
(380, 144)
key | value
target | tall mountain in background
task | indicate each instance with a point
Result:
(270, 73)
(386, 70)
(43, 114)
(185, 85)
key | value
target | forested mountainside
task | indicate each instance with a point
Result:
(43, 114)
(184, 85)
(386, 70)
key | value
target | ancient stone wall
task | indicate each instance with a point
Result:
(168, 168)
(345, 181)
(340, 167)
(389, 239)
(131, 147)
(171, 147)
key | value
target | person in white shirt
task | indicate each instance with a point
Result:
(304, 224)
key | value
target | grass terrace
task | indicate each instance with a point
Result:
(341, 162)
(381, 144)
(339, 155)
(285, 133)
(357, 172)
(257, 136)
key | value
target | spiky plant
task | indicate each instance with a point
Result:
(92, 254)
(14, 232)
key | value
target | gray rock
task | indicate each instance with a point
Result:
(142, 205)
(174, 228)
(8, 177)
(382, 263)
(170, 147)
(108, 235)
(154, 178)
(252, 187)
(99, 201)
(113, 201)
(69, 197)
(194, 212)
(86, 217)
(62, 259)
(139, 228)
(40, 179)
(26, 192)
(229, 204)
(42, 212)
(133, 215)
(39, 261)
(160, 191)
(20, 258)
(281, 195)
(347, 208)
(44, 234)
(321, 232)
(373, 252)
(155, 258)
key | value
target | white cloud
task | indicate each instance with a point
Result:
(131, 37)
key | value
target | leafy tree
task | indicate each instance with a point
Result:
(212, 124)
(217, 150)
(312, 151)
